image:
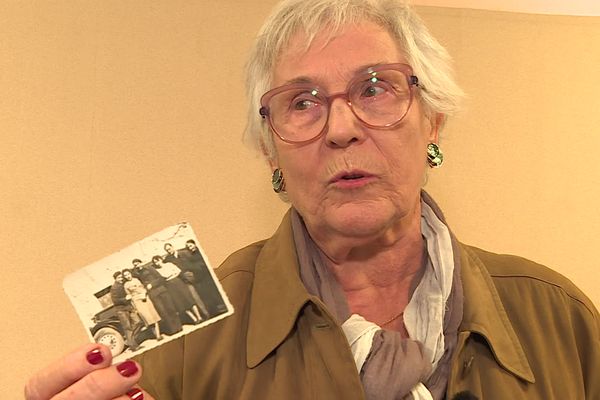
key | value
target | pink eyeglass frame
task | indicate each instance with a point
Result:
(412, 80)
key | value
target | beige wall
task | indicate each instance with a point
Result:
(561, 7)
(120, 118)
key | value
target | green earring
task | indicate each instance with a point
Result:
(277, 181)
(435, 157)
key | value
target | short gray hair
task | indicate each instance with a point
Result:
(429, 60)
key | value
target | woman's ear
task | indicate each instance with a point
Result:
(271, 158)
(436, 121)
(273, 164)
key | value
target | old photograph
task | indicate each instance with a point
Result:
(155, 290)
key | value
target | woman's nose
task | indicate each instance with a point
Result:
(343, 128)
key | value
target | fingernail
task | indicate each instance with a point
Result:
(94, 357)
(127, 368)
(135, 394)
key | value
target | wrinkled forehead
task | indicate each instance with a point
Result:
(335, 53)
(317, 35)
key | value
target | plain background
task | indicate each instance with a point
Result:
(571, 7)
(118, 119)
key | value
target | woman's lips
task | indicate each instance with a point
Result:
(351, 179)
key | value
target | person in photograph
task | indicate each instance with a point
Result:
(181, 260)
(138, 295)
(203, 280)
(173, 255)
(183, 300)
(126, 312)
(155, 283)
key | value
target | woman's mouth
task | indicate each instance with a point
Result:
(352, 176)
(351, 179)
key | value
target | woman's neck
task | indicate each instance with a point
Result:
(379, 276)
(395, 269)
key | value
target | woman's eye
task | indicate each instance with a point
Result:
(372, 91)
(303, 104)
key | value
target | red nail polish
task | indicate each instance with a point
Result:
(135, 394)
(94, 357)
(127, 368)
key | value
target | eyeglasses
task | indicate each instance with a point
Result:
(380, 98)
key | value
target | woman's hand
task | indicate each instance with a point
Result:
(86, 373)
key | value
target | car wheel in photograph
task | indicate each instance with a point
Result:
(112, 338)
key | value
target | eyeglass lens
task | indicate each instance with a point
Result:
(379, 99)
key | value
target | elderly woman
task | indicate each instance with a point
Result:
(363, 291)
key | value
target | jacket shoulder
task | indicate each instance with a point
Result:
(511, 265)
(510, 268)
(242, 260)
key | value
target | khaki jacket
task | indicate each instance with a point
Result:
(527, 333)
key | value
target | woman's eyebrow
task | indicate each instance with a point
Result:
(299, 79)
(360, 69)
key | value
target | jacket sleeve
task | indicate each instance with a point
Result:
(586, 323)
(163, 374)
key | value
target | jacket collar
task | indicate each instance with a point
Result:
(278, 294)
(484, 314)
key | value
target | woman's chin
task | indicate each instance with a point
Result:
(360, 220)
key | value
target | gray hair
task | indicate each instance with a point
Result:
(429, 60)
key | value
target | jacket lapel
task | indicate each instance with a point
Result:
(485, 315)
(278, 294)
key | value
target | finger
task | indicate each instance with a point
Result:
(104, 384)
(135, 393)
(61, 374)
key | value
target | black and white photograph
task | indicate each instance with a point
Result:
(149, 293)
